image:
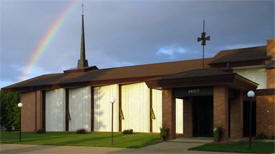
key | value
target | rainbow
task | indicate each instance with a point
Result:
(46, 39)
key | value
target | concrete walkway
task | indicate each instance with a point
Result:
(179, 145)
(41, 149)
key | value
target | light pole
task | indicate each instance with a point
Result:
(250, 95)
(112, 101)
(20, 107)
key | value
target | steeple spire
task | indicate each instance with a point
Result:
(82, 62)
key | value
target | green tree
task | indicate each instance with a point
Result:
(9, 116)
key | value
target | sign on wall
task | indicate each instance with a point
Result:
(195, 91)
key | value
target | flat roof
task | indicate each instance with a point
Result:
(200, 78)
(240, 55)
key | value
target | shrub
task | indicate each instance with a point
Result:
(81, 131)
(218, 133)
(128, 131)
(164, 133)
(41, 131)
(261, 136)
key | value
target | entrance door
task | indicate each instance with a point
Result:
(202, 116)
(246, 118)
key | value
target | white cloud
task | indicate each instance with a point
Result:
(171, 50)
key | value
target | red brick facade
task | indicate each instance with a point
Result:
(265, 104)
(236, 116)
(270, 78)
(169, 112)
(270, 73)
(265, 119)
(271, 48)
(31, 118)
(220, 108)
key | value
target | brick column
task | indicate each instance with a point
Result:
(271, 48)
(236, 116)
(187, 118)
(169, 112)
(270, 78)
(265, 115)
(265, 104)
(270, 72)
(220, 104)
(31, 118)
(39, 110)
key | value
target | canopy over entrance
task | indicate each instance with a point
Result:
(202, 77)
(211, 98)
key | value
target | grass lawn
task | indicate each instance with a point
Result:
(91, 139)
(241, 147)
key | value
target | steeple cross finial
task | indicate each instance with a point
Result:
(82, 8)
(203, 40)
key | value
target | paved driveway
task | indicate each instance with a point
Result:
(175, 146)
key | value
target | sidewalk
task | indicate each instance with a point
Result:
(180, 145)
(40, 149)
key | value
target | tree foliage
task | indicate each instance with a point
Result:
(9, 116)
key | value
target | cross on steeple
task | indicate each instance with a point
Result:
(82, 9)
(82, 62)
(203, 40)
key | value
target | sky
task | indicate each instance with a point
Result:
(125, 32)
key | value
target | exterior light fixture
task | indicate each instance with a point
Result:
(112, 101)
(250, 95)
(20, 105)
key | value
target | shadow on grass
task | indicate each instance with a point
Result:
(33, 138)
(90, 139)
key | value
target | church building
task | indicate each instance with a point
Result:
(181, 96)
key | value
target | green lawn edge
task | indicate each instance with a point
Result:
(240, 147)
(94, 139)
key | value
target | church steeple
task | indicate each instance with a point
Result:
(82, 62)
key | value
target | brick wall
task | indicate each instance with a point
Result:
(270, 78)
(236, 116)
(271, 48)
(265, 105)
(39, 124)
(265, 116)
(220, 105)
(187, 115)
(169, 112)
(31, 118)
(270, 73)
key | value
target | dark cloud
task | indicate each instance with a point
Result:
(120, 33)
